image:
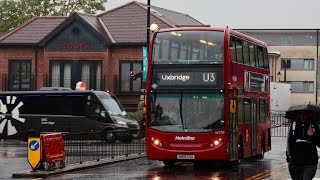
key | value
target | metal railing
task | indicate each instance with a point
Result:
(82, 147)
(279, 124)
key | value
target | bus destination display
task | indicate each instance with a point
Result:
(207, 79)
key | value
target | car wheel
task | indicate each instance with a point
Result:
(110, 137)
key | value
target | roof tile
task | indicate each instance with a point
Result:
(32, 32)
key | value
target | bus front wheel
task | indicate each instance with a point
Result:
(168, 163)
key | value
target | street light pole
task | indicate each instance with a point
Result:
(285, 71)
(148, 26)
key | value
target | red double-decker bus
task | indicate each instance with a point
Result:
(207, 95)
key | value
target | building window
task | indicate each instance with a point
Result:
(302, 86)
(68, 73)
(286, 40)
(19, 75)
(128, 85)
(297, 64)
(308, 64)
(60, 74)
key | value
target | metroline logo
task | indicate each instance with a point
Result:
(185, 138)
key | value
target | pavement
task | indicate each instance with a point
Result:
(76, 167)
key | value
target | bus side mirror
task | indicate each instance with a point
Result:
(232, 105)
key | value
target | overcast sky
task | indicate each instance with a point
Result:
(244, 14)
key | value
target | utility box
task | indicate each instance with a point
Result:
(52, 151)
(280, 96)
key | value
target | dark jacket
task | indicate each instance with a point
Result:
(301, 148)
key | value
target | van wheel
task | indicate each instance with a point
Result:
(127, 140)
(110, 137)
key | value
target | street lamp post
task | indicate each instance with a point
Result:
(279, 76)
(285, 71)
(148, 26)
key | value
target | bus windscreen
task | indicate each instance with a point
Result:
(187, 112)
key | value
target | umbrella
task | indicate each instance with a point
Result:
(294, 112)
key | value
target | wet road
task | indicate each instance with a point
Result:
(273, 166)
(13, 158)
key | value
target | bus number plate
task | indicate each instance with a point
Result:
(185, 156)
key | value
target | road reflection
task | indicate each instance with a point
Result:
(210, 170)
(7, 154)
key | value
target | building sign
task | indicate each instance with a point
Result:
(256, 82)
(144, 63)
(188, 78)
(75, 45)
(76, 38)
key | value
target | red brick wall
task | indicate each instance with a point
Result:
(110, 59)
(123, 53)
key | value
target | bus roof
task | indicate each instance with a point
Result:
(243, 36)
(201, 28)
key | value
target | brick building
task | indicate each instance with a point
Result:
(100, 50)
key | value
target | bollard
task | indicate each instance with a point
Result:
(34, 153)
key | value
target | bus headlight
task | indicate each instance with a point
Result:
(156, 142)
(216, 142)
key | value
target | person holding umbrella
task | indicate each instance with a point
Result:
(302, 142)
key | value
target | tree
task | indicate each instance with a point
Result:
(15, 12)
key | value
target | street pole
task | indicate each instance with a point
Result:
(285, 71)
(317, 78)
(148, 26)
(148, 39)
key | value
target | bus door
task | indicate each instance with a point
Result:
(254, 126)
(232, 129)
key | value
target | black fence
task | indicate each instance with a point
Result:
(279, 124)
(82, 147)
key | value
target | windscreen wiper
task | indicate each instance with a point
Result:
(180, 105)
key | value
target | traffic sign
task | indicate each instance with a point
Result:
(34, 152)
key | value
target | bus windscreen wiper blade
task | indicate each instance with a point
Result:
(180, 107)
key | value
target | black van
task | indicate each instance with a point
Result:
(29, 113)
